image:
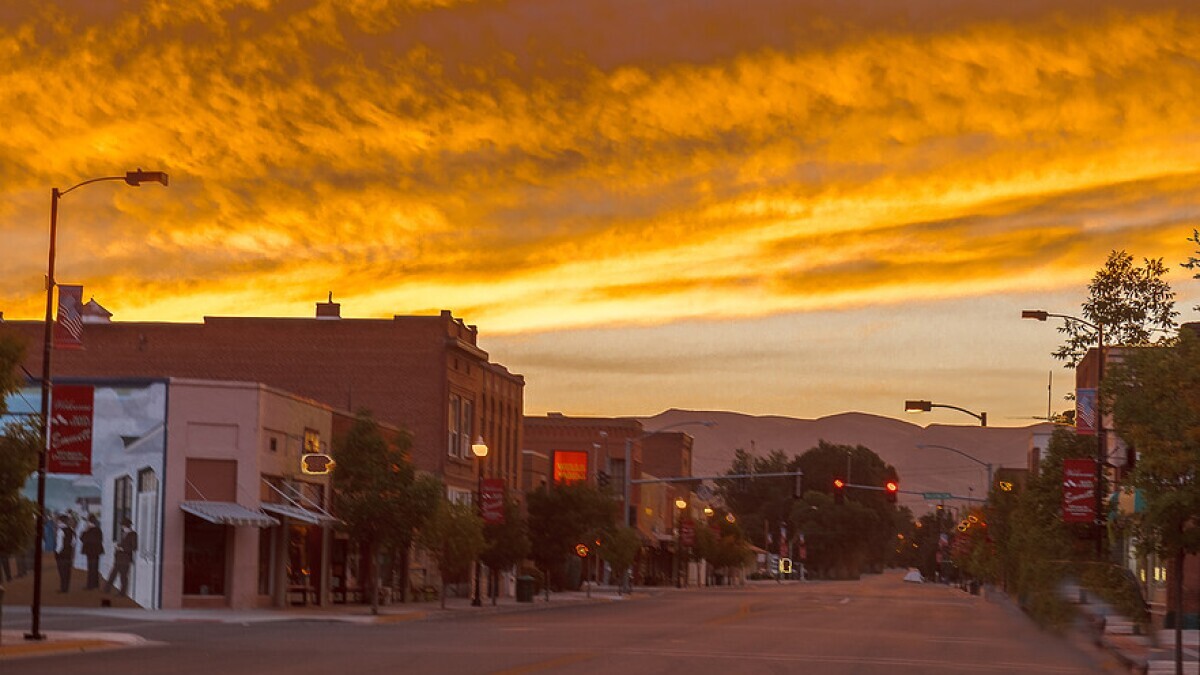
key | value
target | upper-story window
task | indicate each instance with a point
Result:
(452, 444)
(468, 428)
(312, 440)
(461, 424)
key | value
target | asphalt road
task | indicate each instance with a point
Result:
(877, 625)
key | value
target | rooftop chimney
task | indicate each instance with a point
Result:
(329, 310)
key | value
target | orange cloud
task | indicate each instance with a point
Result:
(548, 164)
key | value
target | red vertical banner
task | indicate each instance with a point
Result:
(491, 500)
(68, 328)
(71, 413)
(1079, 491)
(687, 533)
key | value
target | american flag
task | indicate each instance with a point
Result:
(1085, 411)
(68, 330)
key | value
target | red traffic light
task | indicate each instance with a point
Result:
(316, 464)
(892, 488)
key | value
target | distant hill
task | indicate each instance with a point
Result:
(920, 469)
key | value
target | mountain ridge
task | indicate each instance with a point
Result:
(897, 442)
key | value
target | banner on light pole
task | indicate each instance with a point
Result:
(491, 500)
(1079, 491)
(71, 430)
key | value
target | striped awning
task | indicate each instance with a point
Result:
(299, 513)
(228, 513)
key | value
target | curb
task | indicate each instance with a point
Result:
(70, 642)
(1134, 663)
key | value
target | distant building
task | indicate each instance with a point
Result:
(667, 454)
(592, 449)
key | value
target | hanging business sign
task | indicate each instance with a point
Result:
(1079, 491)
(570, 466)
(71, 430)
(491, 500)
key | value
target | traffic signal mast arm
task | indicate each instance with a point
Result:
(686, 479)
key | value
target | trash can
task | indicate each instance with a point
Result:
(525, 589)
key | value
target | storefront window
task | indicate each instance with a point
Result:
(204, 557)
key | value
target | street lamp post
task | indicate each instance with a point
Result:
(481, 450)
(986, 465)
(926, 406)
(680, 505)
(1101, 446)
(134, 179)
(629, 461)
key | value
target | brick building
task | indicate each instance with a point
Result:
(667, 454)
(424, 374)
(572, 448)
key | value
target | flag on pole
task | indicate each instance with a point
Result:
(1085, 412)
(68, 329)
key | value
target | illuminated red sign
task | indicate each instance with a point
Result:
(71, 430)
(570, 466)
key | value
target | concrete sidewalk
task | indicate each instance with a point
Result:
(1151, 654)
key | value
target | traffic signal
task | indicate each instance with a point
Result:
(316, 463)
(892, 489)
(839, 487)
(798, 489)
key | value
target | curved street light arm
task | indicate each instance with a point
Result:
(946, 447)
(1075, 319)
(986, 465)
(981, 416)
(88, 182)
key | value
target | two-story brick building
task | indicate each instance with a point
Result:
(425, 374)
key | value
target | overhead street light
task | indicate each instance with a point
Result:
(681, 504)
(480, 450)
(926, 406)
(134, 179)
(1101, 445)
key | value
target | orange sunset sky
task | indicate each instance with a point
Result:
(782, 207)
